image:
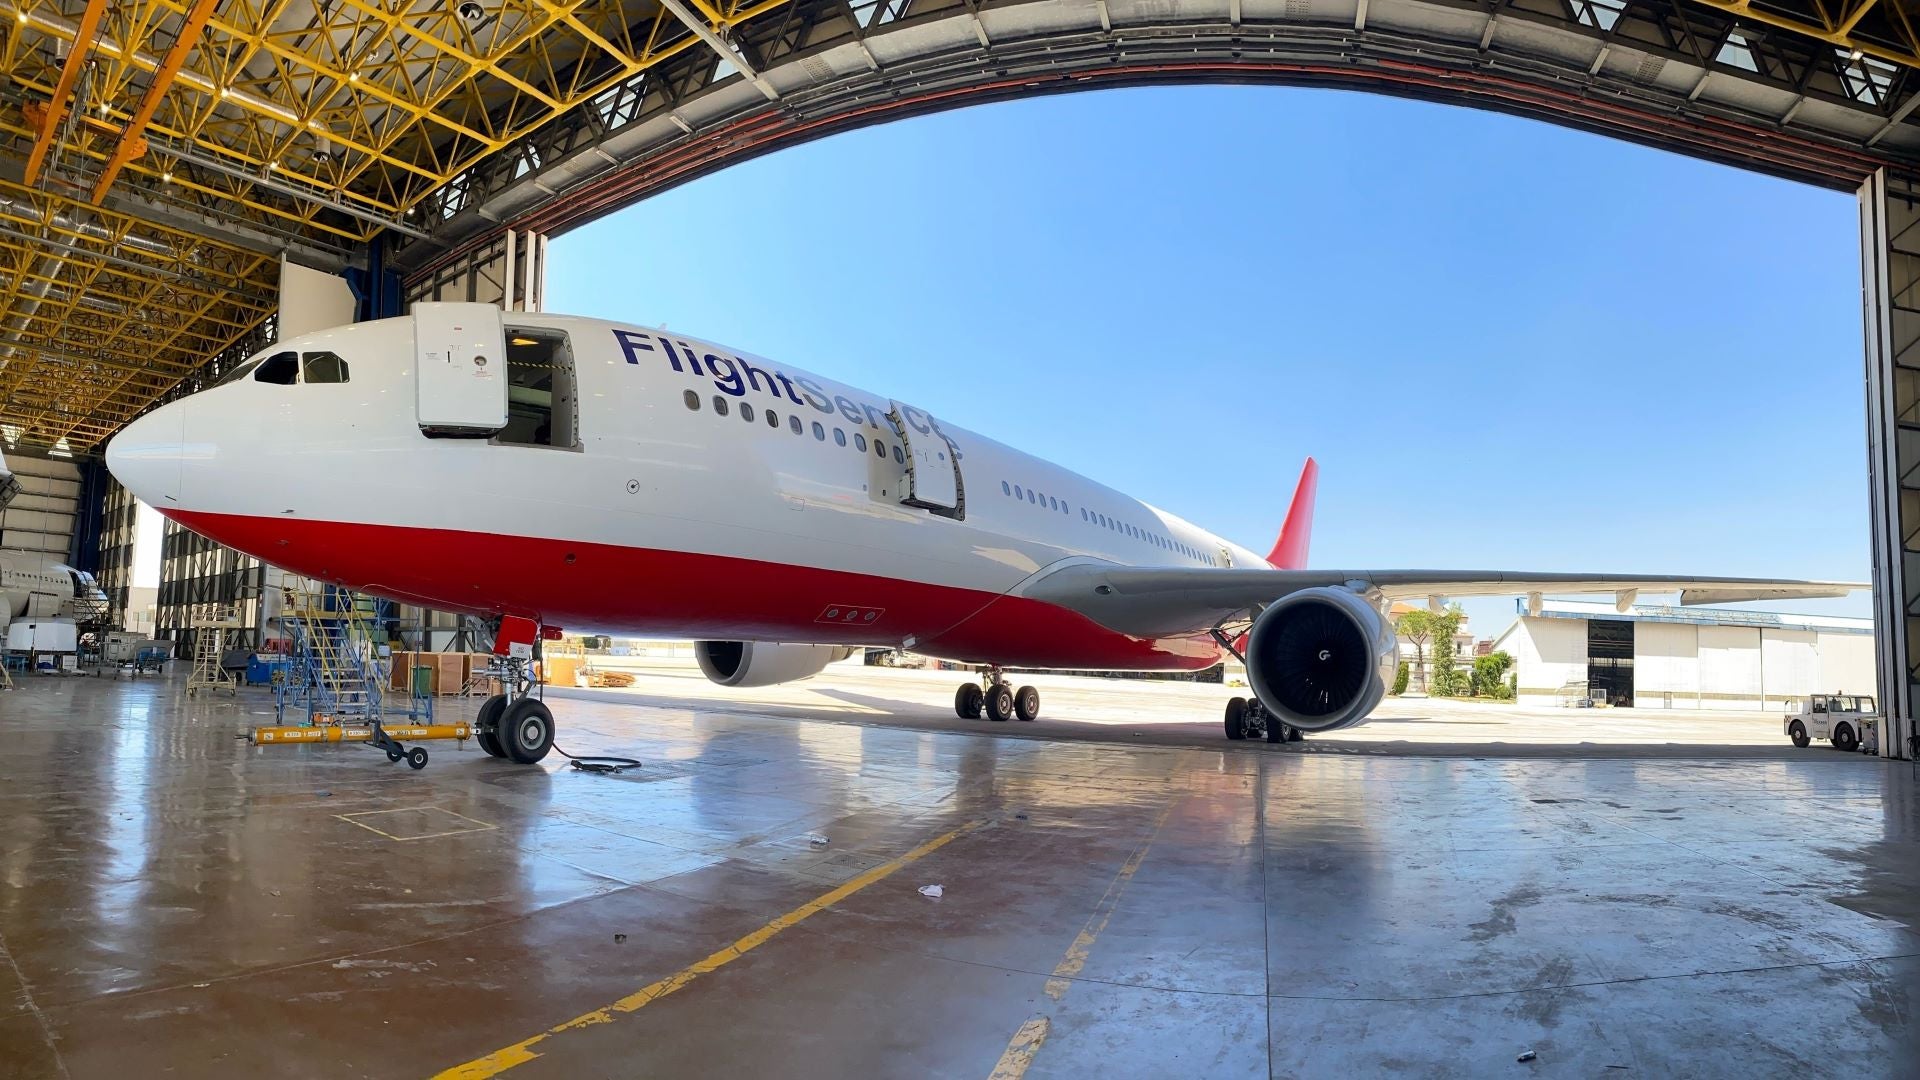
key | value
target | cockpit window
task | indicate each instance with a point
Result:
(238, 373)
(280, 368)
(323, 367)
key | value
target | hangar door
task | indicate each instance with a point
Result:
(1610, 661)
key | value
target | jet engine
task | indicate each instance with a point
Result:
(759, 663)
(1321, 659)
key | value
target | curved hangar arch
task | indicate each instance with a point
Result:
(1713, 79)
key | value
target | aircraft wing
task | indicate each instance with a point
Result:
(1159, 601)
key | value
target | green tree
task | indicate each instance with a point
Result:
(1416, 626)
(1489, 675)
(1446, 681)
(1400, 680)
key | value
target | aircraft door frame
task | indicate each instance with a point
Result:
(935, 482)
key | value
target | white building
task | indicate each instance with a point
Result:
(1655, 657)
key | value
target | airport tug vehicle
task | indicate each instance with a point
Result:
(1842, 719)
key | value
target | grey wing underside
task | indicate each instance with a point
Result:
(1165, 601)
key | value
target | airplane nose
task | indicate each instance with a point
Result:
(147, 456)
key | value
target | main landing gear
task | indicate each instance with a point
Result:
(1248, 719)
(993, 695)
(514, 725)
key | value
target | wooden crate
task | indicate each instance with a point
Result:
(400, 675)
(452, 672)
(561, 670)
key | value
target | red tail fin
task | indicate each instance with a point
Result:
(1290, 551)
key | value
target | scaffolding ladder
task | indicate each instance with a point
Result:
(211, 624)
(334, 673)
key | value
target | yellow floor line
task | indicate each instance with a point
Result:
(522, 1052)
(1026, 1042)
(1077, 953)
(1019, 1053)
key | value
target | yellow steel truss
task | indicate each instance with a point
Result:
(313, 118)
(1839, 24)
(103, 313)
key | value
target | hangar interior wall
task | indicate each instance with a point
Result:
(312, 300)
(40, 520)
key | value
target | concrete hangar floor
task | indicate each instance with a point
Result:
(178, 902)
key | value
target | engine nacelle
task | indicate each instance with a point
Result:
(759, 663)
(1321, 659)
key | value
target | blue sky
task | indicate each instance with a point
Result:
(1510, 345)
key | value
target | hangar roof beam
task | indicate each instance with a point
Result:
(132, 142)
(69, 75)
(1889, 38)
(728, 51)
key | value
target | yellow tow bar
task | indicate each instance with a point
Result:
(332, 733)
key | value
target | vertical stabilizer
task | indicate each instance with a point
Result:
(1290, 551)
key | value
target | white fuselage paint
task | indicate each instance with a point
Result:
(648, 472)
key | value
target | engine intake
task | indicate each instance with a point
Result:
(1320, 659)
(759, 663)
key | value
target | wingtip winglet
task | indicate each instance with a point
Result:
(1290, 550)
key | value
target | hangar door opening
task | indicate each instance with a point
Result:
(1610, 661)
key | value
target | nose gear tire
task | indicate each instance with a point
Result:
(526, 731)
(487, 723)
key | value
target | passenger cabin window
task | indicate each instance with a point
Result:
(322, 367)
(281, 369)
(542, 405)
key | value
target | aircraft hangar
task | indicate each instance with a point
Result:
(186, 182)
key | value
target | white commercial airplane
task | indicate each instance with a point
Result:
(552, 471)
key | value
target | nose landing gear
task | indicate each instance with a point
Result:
(996, 697)
(514, 725)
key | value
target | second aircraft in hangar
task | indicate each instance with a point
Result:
(546, 470)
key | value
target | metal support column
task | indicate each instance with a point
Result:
(1890, 276)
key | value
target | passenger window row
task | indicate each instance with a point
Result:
(1044, 502)
(797, 426)
(1048, 502)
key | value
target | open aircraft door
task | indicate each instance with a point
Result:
(933, 465)
(460, 357)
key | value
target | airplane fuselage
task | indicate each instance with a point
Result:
(694, 491)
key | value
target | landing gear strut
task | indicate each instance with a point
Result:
(514, 725)
(996, 697)
(1248, 719)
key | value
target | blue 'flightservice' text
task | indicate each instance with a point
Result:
(736, 377)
